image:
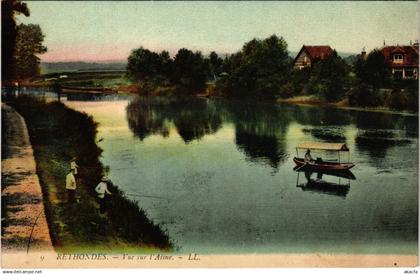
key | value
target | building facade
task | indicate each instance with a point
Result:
(403, 60)
(310, 54)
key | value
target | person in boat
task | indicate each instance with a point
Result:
(308, 158)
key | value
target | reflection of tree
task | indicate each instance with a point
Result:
(411, 126)
(260, 131)
(378, 120)
(377, 142)
(144, 118)
(321, 116)
(262, 148)
(327, 134)
(379, 132)
(193, 118)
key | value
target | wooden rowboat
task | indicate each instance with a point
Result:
(319, 164)
(323, 165)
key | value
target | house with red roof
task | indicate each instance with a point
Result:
(308, 55)
(403, 60)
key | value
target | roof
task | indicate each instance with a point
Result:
(410, 59)
(315, 52)
(323, 146)
(318, 52)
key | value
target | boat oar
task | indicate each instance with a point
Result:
(299, 168)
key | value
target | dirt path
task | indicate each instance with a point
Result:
(22, 201)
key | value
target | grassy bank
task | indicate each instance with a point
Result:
(57, 134)
(311, 100)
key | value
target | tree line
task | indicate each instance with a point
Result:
(263, 69)
(20, 44)
(186, 73)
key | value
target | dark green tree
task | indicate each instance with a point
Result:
(165, 69)
(143, 65)
(374, 71)
(259, 69)
(328, 77)
(9, 9)
(190, 71)
(215, 63)
(28, 44)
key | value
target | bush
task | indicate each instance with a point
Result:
(412, 93)
(397, 99)
(362, 95)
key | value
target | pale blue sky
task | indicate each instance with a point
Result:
(97, 30)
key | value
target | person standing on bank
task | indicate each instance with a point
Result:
(102, 189)
(71, 186)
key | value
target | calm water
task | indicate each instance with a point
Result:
(218, 175)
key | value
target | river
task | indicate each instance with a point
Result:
(218, 174)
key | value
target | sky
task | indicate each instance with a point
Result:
(109, 30)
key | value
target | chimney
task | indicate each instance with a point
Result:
(384, 43)
(363, 54)
(411, 43)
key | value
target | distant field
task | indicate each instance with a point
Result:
(59, 67)
(106, 79)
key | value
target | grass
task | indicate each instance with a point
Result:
(57, 134)
(106, 79)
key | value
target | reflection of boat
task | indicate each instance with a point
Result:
(346, 174)
(320, 164)
(322, 186)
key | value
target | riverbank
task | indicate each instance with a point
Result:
(24, 223)
(343, 104)
(57, 134)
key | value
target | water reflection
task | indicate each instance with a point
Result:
(327, 134)
(338, 183)
(261, 128)
(377, 133)
(222, 203)
(193, 118)
(377, 142)
(260, 131)
(315, 116)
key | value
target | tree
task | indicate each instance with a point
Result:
(9, 9)
(186, 73)
(165, 64)
(143, 64)
(328, 77)
(190, 71)
(215, 63)
(373, 71)
(259, 69)
(28, 43)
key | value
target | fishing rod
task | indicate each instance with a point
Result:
(146, 196)
(32, 231)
